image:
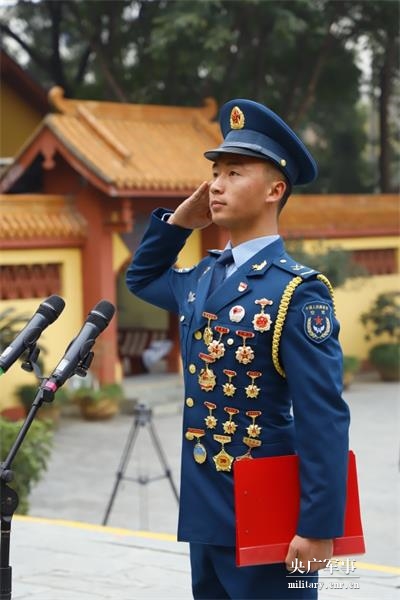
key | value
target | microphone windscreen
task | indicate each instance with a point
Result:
(51, 308)
(101, 314)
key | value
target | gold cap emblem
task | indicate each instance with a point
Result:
(237, 118)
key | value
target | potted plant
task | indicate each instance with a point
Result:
(31, 459)
(351, 365)
(382, 321)
(49, 410)
(100, 402)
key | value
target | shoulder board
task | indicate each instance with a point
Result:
(288, 264)
(183, 269)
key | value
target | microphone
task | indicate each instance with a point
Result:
(79, 348)
(48, 311)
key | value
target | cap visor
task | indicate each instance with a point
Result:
(214, 154)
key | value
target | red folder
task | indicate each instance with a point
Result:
(267, 509)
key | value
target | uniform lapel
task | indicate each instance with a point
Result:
(203, 285)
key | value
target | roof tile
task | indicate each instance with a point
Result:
(30, 217)
(132, 146)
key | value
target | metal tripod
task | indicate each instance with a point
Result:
(143, 417)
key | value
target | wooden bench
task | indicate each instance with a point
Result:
(131, 344)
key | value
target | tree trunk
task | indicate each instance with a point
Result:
(385, 79)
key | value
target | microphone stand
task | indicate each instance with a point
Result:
(9, 497)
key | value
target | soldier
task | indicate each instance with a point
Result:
(261, 358)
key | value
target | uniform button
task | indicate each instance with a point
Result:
(283, 260)
(182, 318)
(230, 341)
(192, 368)
(198, 335)
(189, 402)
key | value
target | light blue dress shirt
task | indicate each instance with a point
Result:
(243, 252)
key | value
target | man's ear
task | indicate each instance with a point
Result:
(276, 191)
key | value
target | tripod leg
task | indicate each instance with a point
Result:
(163, 460)
(122, 466)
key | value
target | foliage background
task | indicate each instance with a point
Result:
(328, 67)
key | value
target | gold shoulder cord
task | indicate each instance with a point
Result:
(282, 312)
(328, 284)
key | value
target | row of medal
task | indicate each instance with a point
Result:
(223, 460)
(244, 354)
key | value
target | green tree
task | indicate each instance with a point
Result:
(297, 56)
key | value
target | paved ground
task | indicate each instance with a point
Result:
(61, 551)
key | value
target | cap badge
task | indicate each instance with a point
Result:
(237, 118)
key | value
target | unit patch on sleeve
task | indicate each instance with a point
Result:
(317, 320)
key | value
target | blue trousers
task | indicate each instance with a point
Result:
(215, 576)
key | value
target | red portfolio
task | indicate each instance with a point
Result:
(267, 509)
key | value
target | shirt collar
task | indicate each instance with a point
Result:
(245, 251)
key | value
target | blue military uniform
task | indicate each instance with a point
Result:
(263, 377)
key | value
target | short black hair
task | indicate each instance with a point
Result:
(288, 189)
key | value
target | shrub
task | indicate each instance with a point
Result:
(31, 459)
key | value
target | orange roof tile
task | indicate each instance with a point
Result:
(25, 218)
(133, 146)
(334, 215)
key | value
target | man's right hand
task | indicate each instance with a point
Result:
(194, 212)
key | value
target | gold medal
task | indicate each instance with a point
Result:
(223, 461)
(207, 379)
(252, 390)
(229, 426)
(250, 443)
(228, 388)
(199, 451)
(216, 348)
(208, 334)
(262, 321)
(253, 430)
(210, 420)
(244, 354)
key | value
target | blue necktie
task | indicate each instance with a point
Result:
(219, 272)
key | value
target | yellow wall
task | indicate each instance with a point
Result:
(134, 312)
(58, 335)
(353, 299)
(191, 253)
(18, 120)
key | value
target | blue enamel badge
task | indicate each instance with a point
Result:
(317, 321)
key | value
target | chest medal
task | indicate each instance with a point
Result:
(228, 388)
(262, 321)
(223, 461)
(208, 333)
(207, 379)
(244, 354)
(252, 390)
(250, 443)
(216, 348)
(199, 451)
(229, 426)
(210, 420)
(253, 430)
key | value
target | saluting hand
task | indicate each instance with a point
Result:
(194, 212)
